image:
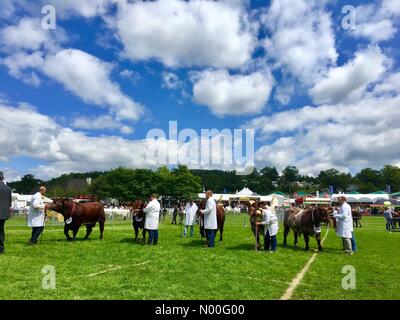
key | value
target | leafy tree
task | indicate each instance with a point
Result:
(369, 180)
(332, 177)
(27, 183)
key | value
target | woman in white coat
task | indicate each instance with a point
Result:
(36, 215)
(344, 224)
(152, 212)
(271, 227)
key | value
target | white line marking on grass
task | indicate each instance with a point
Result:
(297, 279)
(117, 268)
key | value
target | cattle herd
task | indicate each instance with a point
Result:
(304, 222)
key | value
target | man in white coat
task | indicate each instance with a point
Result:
(344, 224)
(36, 215)
(271, 226)
(210, 219)
(152, 212)
(191, 211)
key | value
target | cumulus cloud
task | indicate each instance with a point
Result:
(65, 150)
(186, 33)
(377, 22)
(344, 136)
(100, 123)
(89, 78)
(351, 79)
(302, 41)
(227, 94)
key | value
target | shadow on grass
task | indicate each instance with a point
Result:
(132, 241)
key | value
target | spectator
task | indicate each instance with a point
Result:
(5, 204)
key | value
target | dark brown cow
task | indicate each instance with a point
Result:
(357, 216)
(305, 221)
(138, 218)
(75, 214)
(220, 218)
(256, 229)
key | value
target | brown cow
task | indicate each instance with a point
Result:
(307, 222)
(138, 218)
(75, 214)
(357, 216)
(256, 229)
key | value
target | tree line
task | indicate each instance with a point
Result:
(181, 182)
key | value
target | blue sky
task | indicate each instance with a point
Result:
(83, 96)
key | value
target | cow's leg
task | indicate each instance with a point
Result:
(66, 230)
(75, 231)
(307, 240)
(296, 236)
(89, 228)
(101, 225)
(318, 238)
(144, 236)
(285, 234)
(136, 228)
(221, 231)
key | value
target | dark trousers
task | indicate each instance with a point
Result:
(36, 232)
(210, 236)
(269, 242)
(153, 236)
(173, 218)
(2, 235)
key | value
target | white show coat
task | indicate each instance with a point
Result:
(210, 215)
(152, 212)
(344, 221)
(270, 221)
(191, 211)
(36, 211)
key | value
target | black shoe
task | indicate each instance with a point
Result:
(31, 243)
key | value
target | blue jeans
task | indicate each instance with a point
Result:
(153, 236)
(389, 224)
(191, 231)
(353, 242)
(269, 242)
(210, 236)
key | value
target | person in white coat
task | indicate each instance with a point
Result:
(210, 219)
(152, 212)
(344, 224)
(191, 211)
(36, 215)
(271, 227)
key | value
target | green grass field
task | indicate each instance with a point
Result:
(178, 268)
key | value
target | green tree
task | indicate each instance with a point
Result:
(369, 180)
(26, 185)
(332, 177)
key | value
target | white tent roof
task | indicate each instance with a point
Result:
(28, 198)
(369, 197)
(245, 192)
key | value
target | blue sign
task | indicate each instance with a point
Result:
(331, 189)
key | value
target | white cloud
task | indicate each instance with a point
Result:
(351, 79)
(100, 123)
(64, 150)
(390, 85)
(89, 78)
(227, 94)
(302, 41)
(343, 136)
(195, 33)
(377, 22)
(28, 34)
(19, 62)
